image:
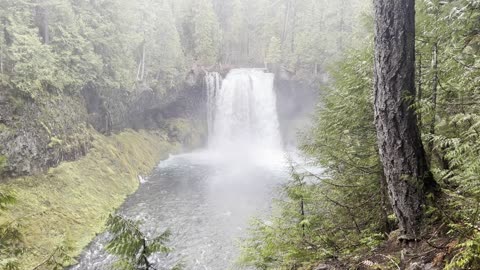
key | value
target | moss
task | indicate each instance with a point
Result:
(71, 203)
(54, 141)
(185, 131)
(3, 127)
(46, 128)
(3, 163)
(17, 101)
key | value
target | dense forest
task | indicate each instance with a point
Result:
(88, 86)
(347, 212)
(106, 52)
(118, 44)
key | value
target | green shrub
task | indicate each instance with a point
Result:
(10, 236)
(131, 245)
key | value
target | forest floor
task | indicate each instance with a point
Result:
(427, 254)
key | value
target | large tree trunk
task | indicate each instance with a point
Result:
(399, 141)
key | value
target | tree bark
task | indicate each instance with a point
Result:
(386, 226)
(400, 145)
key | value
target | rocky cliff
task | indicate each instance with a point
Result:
(39, 133)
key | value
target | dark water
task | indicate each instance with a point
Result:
(206, 201)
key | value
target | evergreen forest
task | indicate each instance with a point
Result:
(239, 134)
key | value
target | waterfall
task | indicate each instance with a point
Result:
(213, 84)
(242, 113)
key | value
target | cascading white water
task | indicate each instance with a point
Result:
(213, 82)
(242, 113)
(212, 194)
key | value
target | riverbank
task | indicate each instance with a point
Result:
(67, 206)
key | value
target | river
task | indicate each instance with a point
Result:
(207, 198)
(207, 207)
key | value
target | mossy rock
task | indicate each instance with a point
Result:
(184, 131)
(3, 162)
(71, 202)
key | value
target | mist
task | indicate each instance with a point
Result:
(179, 115)
(239, 134)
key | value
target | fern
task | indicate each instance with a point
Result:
(11, 244)
(468, 256)
(131, 245)
(6, 199)
(57, 260)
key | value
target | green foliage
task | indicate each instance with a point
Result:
(300, 35)
(11, 243)
(451, 118)
(167, 60)
(62, 45)
(184, 131)
(344, 143)
(346, 211)
(300, 232)
(120, 44)
(6, 199)
(99, 42)
(286, 240)
(49, 206)
(54, 141)
(109, 28)
(131, 245)
(461, 150)
(205, 32)
(468, 256)
(274, 51)
(57, 260)
(3, 163)
(27, 56)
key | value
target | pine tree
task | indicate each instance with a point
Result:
(274, 51)
(166, 57)
(132, 246)
(345, 209)
(10, 237)
(205, 31)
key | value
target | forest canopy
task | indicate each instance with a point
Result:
(59, 45)
(396, 130)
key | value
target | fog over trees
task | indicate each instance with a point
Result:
(320, 134)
